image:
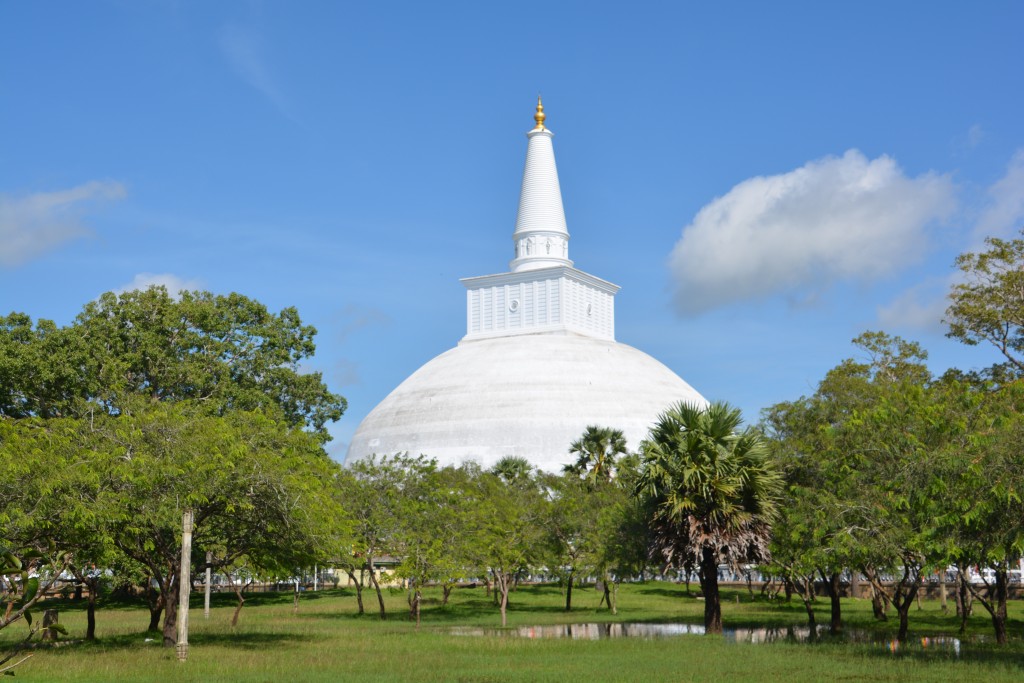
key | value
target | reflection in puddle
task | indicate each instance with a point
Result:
(792, 634)
(586, 631)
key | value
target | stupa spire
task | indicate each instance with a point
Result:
(541, 238)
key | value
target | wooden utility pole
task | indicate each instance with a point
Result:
(184, 584)
(206, 600)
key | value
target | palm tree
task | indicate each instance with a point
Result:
(513, 469)
(596, 451)
(711, 495)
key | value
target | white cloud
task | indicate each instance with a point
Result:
(1003, 214)
(174, 284)
(346, 373)
(243, 48)
(798, 232)
(355, 317)
(34, 224)
(975, 134)
(921, 308)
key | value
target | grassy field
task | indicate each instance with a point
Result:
(327, 641)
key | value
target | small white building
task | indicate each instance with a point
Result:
(539, 361)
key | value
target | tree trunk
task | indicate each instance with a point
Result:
(568, 592)
(709, 586)
(834, 587)
(995, 601)
(359, 589)
(446, 592)
(964, 599)
(238, 607)
(170, 630)
(903, 597)
(376, 586)
(999, 614)
(90, 611)
(609, 597)
(808, 599)
(879, 599)
(997, 606)
(943, 591)
(156, 610)
(501, 588)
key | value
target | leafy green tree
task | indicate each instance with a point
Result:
(981, 504)
(622, 533)
(257, 488)
(711, 494)
(372, 492)
(40, 369)
(438, 519)
(222, 352)
(896, 520)
(510, 514)
(811, 534)
(989, 305)
(231, 369)
(571, 529)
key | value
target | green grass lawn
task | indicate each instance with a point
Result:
(327, 641)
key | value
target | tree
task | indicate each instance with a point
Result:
(231, 369)
(989, 305)
(513, 469)
(222, 352)
(31, 559)
(511, 508)
(436, 528)
(596, 451)
(710, 492)
(570, 527)
(372, 494)
(622, 533)
(982, 502)
(811, 534)
(257, 488)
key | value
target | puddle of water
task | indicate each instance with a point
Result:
(791, 634)
(586, 631)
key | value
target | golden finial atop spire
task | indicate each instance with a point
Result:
(539, 116)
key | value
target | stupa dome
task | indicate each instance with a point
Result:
(528, 395)
(539, 361)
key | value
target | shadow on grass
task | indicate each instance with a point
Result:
(146, 639)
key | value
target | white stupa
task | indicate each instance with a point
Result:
(539, 361)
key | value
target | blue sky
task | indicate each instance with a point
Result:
(764, 180)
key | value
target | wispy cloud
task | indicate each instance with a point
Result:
(243, 48)
(837, 218)
(346, 373)
(34, 224)
(174, 284)
(1003, 212)
(923, 306)
(975, 134)
(355, 317)
(920, 308)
